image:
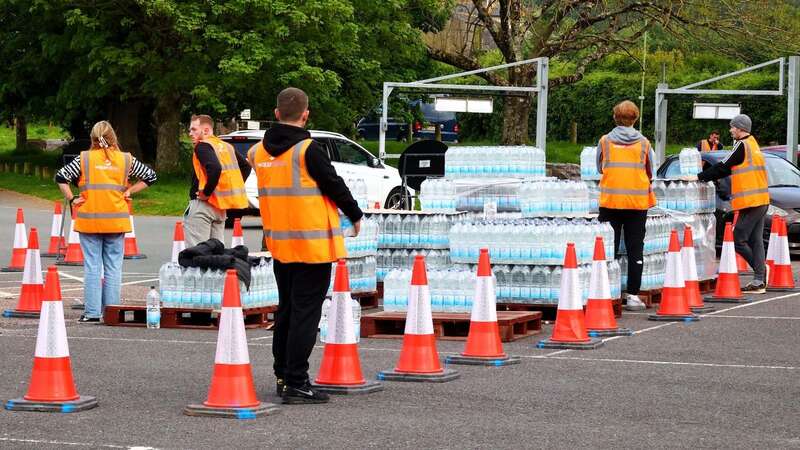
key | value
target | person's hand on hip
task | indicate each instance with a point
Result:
(201, 196)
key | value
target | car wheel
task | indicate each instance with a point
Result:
(397, 199)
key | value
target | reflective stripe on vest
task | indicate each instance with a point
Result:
(624, 183)
(105, 210)
(300, 224)
(749, 185)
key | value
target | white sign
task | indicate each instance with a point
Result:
(489, 210)
(471, 105)
(424, 163)
(716, 110)
(245, 115)
(253, 125)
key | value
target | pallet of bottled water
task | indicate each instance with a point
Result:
(473, 194)
(542, 284)
(358, 189)
(690, 197)
(653, 269)
(495, 162)
(438, 195)
(195, 288)
(323, 321)
(589, 164)
(528, 241)
(412, 230)
(593, 190)
(366, 243)
(556, 198)
(451, 290)
(390, 259)
(362, 274)
(690, 162)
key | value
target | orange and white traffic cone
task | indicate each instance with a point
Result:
(600, 320)
(20, 248)
(340, 369)
(419, 360)
(772, 246)
(232, 393)
(178, 242)
(131, 248)
(57, 242)
(52, 388)
(741, 264)
(673, 306)
(483, 341)
(781, 278)
(74, 254)
(569, 331)
(30, 294)
(690, 278)
(238, 236)
(728, 289)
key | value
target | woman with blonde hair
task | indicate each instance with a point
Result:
(102, 216)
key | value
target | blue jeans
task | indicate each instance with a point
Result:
(102, 259)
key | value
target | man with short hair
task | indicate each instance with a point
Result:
(749, 196)
(217, 183)
(298, 194)
(711, 144)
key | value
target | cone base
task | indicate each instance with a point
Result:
(591, 344)
(712, 299)
(137, 256)
(262, 409)
(21, 314)
(65, 263)
(51, 255)
(673, 318)
(368, 387)
(478, 361)
(440, 377)
(12, 269)
(620, 331)
(82, 403)
(783, 289)
(702, 309)
(77, 306)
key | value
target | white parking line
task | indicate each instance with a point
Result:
(4, 294)
(754, 317)
(671, 363)
(261, 338)
(71, 277)
(78, 444)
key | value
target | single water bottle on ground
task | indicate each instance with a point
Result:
(153, 308)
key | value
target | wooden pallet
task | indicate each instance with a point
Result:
(650, 297)
(187, 318)
(513, 325)
(707, 286)
(549, 310)
(368, 300)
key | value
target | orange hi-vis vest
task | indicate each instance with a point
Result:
(102, 185)
(705, 146)
(300, 224)
(749, 186)
(230, 192)
(625, 184)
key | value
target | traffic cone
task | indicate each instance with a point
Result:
(741, 264)
(772, 246)
(674, 305)
(52, 388)
(131, 248)
(57, 242)
(20, 248)
(30, 294)
(419, 360)
(178, 243)
(232, 393)
(74, 254)
(689, 262)
(483, 342)
(340, 369)
(600, 320)
(728, 289)
(569, 331)
(238, 237)
(781, 277)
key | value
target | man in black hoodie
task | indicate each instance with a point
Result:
(299, 193)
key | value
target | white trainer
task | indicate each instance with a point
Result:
(634, 303)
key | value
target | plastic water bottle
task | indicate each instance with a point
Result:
(356, 317)
(323, 320)
(153, 308)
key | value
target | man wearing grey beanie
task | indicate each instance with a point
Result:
(749, 197)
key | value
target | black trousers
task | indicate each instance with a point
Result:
(301, 291)
(631, 222)
(748, 236)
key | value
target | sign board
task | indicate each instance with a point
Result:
(245, 115)
(716, 110)
(253, 125)
(471, 105)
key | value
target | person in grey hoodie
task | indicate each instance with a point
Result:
(625, 159)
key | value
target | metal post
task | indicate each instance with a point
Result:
(793, 108)
(541, 104)
(383, 126)
(661, 124)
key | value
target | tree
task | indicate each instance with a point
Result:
(584, 32)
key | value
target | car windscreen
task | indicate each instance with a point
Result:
(432, 115)
(781, 173)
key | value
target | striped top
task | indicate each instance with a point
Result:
(72, 171)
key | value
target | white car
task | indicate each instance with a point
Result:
(384, 185)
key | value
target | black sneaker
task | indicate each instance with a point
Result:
(84, 319)
(755, 287)
(280, 386)
(303, 395)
